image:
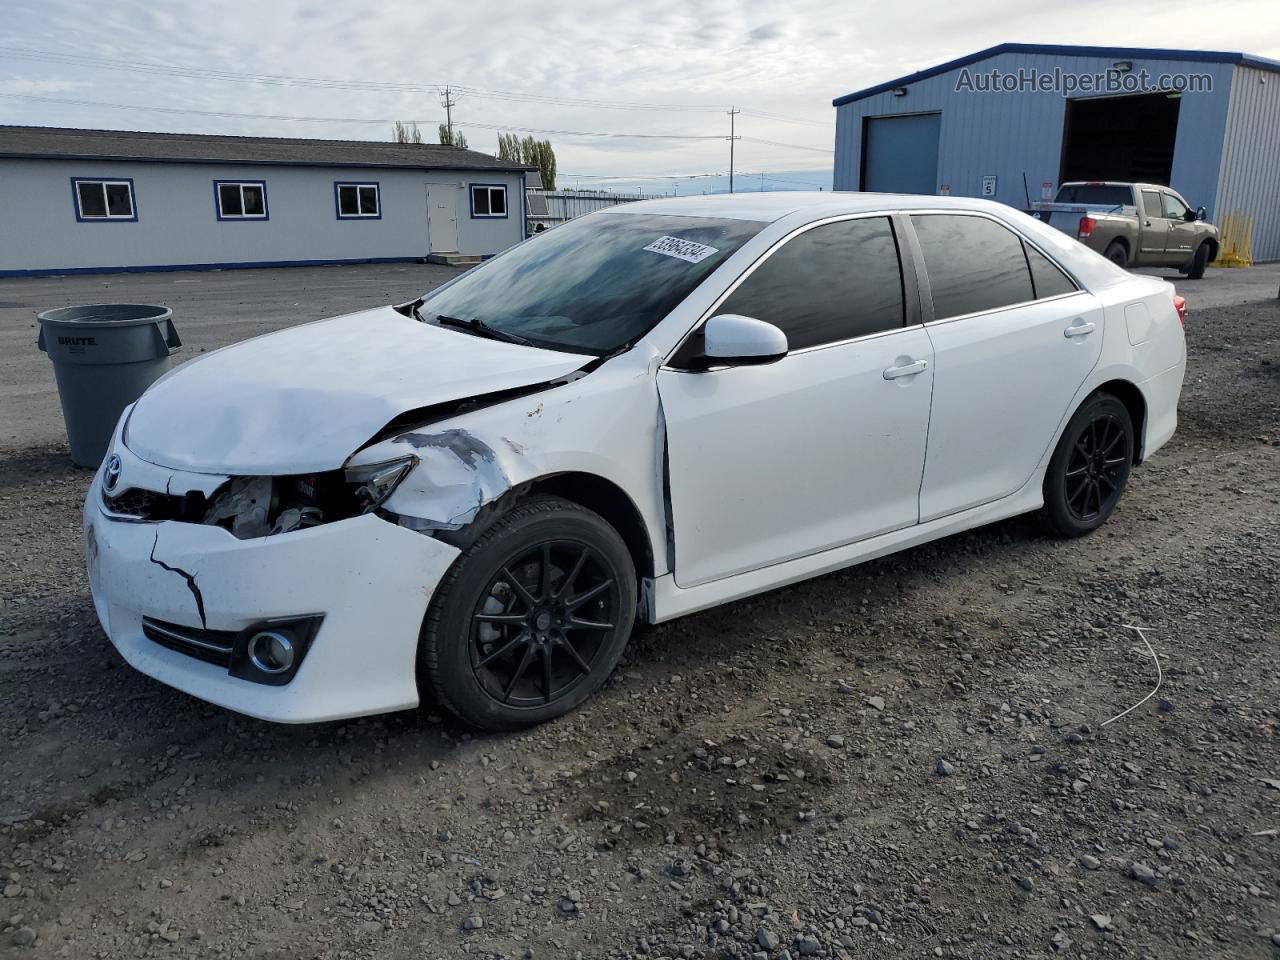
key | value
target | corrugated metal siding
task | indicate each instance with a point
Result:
(1250, 174)
(1008, 134)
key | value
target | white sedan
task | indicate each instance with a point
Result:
(646, 412)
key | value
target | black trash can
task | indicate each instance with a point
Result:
(104, 356)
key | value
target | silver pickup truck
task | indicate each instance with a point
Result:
(1134, 224)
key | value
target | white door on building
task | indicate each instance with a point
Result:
(442, 218)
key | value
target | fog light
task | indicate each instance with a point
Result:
(271, 651)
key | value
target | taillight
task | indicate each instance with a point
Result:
(1180, 304)
(1086, 226)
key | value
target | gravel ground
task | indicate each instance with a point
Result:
(906, 759)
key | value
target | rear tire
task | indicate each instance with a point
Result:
(1117, 253)
(1089, 468)
(1199, 262)
(531, 618)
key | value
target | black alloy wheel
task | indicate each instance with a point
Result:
(1090, 466)
(542, 621)
(1097, 468)
(531, 618)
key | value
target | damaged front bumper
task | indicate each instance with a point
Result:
(365, 581)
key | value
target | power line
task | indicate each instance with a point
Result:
(201, 113)
(205, 73)
(483, 93)
(794, 146)
(267, 116)
(782, 119)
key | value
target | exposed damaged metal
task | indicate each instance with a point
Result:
(458, 474)
(470, 450)
(188, 577)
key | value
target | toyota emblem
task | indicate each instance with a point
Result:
(111, 476)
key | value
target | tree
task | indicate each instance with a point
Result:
(532, 153)
(455, 138)
(509, 148)
(402, 133)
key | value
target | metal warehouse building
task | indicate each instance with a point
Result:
(1014, 121)
(101, 201)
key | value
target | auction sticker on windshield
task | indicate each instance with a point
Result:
(681, 249)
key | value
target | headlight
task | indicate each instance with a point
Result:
(372, 483)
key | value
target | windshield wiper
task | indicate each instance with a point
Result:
(480, 328)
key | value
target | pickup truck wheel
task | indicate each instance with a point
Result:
(1117, 253)
(1199, 262)
(531, 618)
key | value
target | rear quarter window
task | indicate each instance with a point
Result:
(1046, 278)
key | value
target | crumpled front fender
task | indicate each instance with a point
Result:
(606, 424)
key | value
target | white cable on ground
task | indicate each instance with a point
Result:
(1159, 675)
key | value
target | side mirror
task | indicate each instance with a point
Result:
(1201, 213)
(734, 339)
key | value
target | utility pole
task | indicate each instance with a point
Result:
(448, 103)
(733, 114)
(762, 183)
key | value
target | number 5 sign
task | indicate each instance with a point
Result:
(988, 186)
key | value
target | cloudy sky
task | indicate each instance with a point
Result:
(663, 69)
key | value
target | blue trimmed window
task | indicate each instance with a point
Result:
(240, 199)
(358, 201)
(103, 200)
(488, 200)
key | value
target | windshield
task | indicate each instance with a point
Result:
(1100, 193)
(595, 284)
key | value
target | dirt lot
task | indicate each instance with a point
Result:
(906, 759)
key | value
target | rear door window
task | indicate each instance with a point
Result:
(1151, 204)
(833, 282)
(973, 264)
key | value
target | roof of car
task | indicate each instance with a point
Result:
(71, 142)
(1092, 269)
(767, 207)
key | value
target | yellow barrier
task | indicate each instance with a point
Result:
(1235, 231)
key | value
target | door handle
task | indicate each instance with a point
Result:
(1078, 329)
(909, 369)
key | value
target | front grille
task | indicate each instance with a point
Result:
(135, 502)
(138, 504)
(211, 646)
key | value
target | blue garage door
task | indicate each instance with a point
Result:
(900, 154)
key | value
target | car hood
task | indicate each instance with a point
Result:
(304, 399)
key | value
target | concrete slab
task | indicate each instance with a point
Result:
(1223, 286)
(210, 309)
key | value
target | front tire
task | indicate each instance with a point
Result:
(1090, 467)
(1199, 262)
(531, 619)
